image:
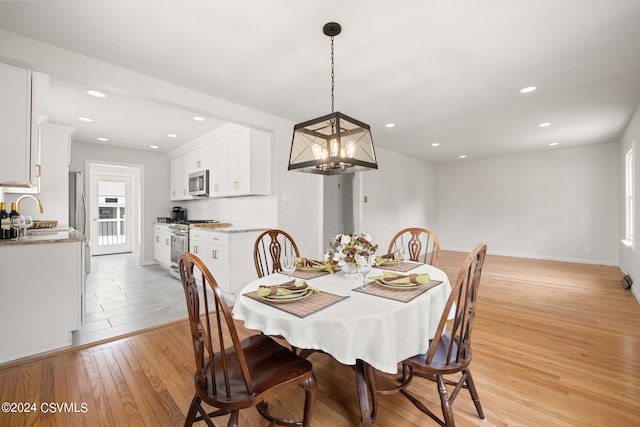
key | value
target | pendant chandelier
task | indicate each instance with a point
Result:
(332, 144)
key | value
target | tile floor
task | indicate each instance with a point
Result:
(123, 296)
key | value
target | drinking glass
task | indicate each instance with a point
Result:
(399, 255)
(365, 263)
(17, 223)
(289, 264)
(28, 223)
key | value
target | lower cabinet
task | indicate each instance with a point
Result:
(228, 256)
(41, 297)
(162, 244)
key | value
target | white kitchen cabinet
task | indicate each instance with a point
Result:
(196, 242)
(227, 255)
(248, 159)
(179, 179)
(162, 244)
(40, 297)
(197, 160)
(18, 128)
(218, 171)
(239, 164)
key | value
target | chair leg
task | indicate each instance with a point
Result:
(233, 419)
(191, 414)
(474, 393)
(447, 411)
(310, 390)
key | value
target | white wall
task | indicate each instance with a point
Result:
(155, 182)
(630, 257)
(402, 193)
(558, 204)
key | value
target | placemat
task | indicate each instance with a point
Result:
(304, 307)
(404, 266)
(308, 274)
(402, 295)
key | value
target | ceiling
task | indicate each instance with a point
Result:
(446, 73)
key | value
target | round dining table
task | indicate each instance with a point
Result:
(358, 329)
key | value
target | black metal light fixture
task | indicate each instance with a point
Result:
(332, 144)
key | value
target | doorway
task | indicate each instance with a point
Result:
(337, 206)
(113, 210)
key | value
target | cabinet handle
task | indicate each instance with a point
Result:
(166, 242)
(236, 185)
(198, 164)
(157, 239)
(215, 188)
(38, 171)
(214, 254)
(173, 193)
(195, 249)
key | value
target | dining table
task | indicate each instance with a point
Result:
(372, 327)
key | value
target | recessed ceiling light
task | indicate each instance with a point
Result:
(462, 157)
(199, 119)
(435, 144)
(390, 125)
(103, 139)
(544, 125)
(528, 89)
(85, 119)
(153, 146)
(96, 93)
(553, 143)
(172, 135)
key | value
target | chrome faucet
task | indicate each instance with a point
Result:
(30, 196)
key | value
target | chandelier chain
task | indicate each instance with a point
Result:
(333, 83)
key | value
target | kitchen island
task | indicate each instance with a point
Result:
(41, 292)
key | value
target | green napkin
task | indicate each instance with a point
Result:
(402, 279)
(385, 258)
(287, 288)
(309, 263)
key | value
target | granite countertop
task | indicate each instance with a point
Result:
(47, 235)
(216, 228)
(232, 229)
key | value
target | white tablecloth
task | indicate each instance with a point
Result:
(380, 331)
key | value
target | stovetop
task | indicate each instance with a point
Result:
(196, 221)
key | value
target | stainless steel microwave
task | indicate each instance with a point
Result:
(199, 183)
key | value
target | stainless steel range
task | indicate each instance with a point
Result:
(180, 242)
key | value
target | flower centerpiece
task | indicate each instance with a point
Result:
(346, 250)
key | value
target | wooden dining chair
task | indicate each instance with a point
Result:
(269, 247)
(419, 245)
(449, 351)
(244, 373)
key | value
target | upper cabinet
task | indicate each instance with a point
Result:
(239, 164)
(19, 139)
(242, 164)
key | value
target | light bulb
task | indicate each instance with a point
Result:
(351, 149)
(317, 151)
(334, 147)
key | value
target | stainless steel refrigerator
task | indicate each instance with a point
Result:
(78, 212)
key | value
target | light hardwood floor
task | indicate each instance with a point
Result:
(555, 344)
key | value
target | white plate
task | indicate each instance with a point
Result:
(404, 286)
(289, 298)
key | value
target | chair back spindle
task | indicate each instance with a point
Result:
(419, 244)
(269, 248)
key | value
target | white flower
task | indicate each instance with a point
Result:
(345, 239)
